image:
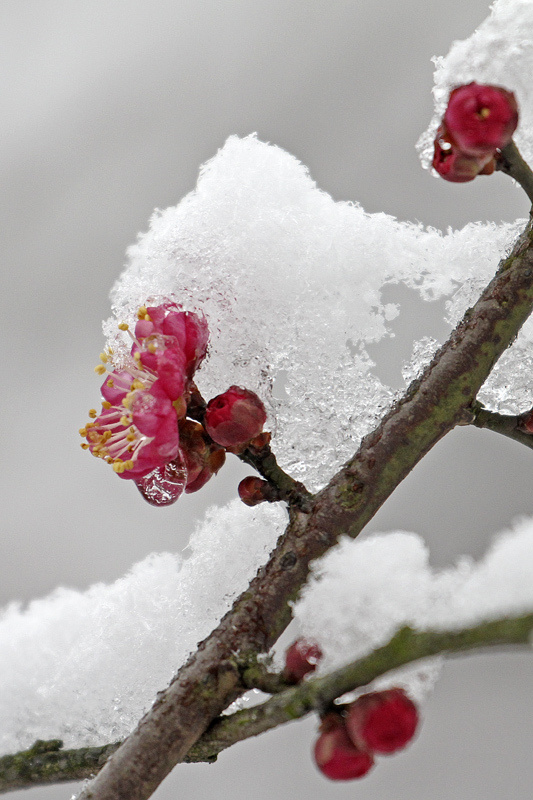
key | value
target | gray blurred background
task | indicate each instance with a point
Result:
(108, 109)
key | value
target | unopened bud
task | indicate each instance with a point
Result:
(336, 756)
(234, 417)
(382, 721)
(301, 658)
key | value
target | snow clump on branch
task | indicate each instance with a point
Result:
(290, 284)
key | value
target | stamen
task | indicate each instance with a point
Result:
(93, 413)
(100, 369)
(123, 326)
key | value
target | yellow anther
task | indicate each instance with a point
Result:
(137, 384)
(107, 436)
(142, 312)
(83, 431)
(118, 466)
(123, 326)
(110, 351)
(110, 383)
(124, 421)
(128, 464)
(93, 413)
(84, 446)
(128, 400)
(103, 357)
(152, 347)
(106, 404)
(147, 317)
(100, 369)
(484, 113)
(131, 437)
(137, 356)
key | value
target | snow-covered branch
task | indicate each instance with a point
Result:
(431, 407)
(48, 762)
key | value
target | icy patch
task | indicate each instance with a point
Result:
(290, 283)
(423, 352)
(500, 51)
(85, 666)
(363, 591)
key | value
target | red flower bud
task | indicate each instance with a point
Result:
(481, 118)
(335, 754)
(235, 417)
(253, 490)
(452, 164)
(382, 721)
(301, 658)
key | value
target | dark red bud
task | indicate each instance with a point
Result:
(383, 722)
(335, 754)
(234, 417)
(481, 118)
(301, 658)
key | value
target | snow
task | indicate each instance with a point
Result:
(84, 666)
(290, 282)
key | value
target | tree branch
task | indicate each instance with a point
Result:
(46, 762)
(508, 425)
(511, 163)
(317, 694)
(432, 406)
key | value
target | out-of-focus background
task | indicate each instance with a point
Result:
(108, 109)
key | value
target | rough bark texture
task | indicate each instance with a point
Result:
(432, 406)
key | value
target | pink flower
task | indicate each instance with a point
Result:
(234, 417)
(336, 756)
(137, 433)
(188, 329)
(382, 721)
(481, 118)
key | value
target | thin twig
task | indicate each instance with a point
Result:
(318, 693)
(47, 762)
(506, 424)
(511, 163)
